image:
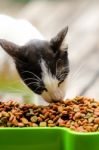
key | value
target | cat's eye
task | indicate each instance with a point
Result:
(60, 83)
(62, 77)
(61, 80)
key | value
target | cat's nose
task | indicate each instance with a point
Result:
(56, 96)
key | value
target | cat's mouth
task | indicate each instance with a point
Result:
(55, 100)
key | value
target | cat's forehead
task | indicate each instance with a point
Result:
(39, 45)
(38, 49)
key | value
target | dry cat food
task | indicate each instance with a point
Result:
(80, 114)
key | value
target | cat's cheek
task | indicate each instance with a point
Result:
(63, 87)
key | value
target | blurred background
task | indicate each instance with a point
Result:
(50, 16)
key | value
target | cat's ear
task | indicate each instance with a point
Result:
(11, 48)
(57, 42)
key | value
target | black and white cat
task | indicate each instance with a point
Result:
(43, 65)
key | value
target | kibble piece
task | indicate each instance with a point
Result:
(34, 125)
(34, 119)
(76, 109)
(77, 115)
(60, 109)
(50, 121)
(51, 125)
(42, 116)
(43, 124)
(96, 120)
(20, 124)
(90, 120)
(24, 120)
(5, 114)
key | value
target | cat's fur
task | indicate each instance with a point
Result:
(42, 65)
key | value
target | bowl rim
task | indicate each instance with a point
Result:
(50, 128)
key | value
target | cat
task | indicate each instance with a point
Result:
(42, 65)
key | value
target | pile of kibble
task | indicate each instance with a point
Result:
(80, 114)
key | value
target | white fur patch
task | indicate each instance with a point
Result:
(19, 31)
(51, 83)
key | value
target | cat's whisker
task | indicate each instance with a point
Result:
(28, 79)
(75, 75)
(37, 88)
(33, 79)
(37, 80)
(32, 74)
(35, 83)
(63, 70)
(62, 75)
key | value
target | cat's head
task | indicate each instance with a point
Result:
(42, 65)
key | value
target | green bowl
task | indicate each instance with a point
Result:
(49, 138)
